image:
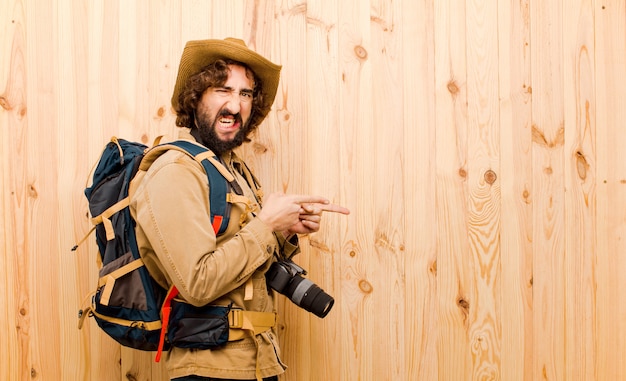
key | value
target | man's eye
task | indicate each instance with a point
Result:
(222, 90)
(246, 94)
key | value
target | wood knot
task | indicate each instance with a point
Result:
(32, 191)
(259, 148)
(462, 172)
(320, 245)
(366, 286)
(433, 268)
(4, 102)
(463, 304)
(581, 165)
(360, 52)
(160, 112)
(453, 88)
(490, 177)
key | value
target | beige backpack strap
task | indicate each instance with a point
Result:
(108, 281)
(254, 321)
(104, 218)
(209, 155)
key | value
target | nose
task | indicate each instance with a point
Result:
(233, 105)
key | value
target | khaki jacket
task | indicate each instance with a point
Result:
(178, 245)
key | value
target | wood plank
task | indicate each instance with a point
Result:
(420, 252)
(104, 52)
(610, 90)
(163, 28)
(387, 259)
(580, 198)
(548, 185)
(358, 316)
(454, 273)
(484, 199)
(15, 319)
(131, 68)
(72, 36)
(41, 165)
(516, 258)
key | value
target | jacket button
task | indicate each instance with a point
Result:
(269, 249)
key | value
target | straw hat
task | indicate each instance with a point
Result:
(200, 53)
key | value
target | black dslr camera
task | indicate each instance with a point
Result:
(287, 278)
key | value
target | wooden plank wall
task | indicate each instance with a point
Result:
(479, 145)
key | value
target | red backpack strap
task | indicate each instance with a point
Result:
(165, 318)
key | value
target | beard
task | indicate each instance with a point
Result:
(208, 136)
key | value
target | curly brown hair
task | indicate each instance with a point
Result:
(215, 75)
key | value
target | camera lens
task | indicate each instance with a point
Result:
(309, 296)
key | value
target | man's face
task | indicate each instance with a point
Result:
(223, 113)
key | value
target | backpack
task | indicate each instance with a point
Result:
(128, 305)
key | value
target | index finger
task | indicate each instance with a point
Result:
(334, 208)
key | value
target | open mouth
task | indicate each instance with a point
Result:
(227, 121)
(228, 124)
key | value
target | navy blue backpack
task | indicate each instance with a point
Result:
(128, 304)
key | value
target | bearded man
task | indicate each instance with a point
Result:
(222, 94)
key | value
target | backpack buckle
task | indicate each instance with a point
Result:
(236, 319)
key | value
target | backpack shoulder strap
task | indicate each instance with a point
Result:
(218, 176)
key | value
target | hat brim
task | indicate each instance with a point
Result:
(200, 53)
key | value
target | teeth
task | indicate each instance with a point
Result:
(226, 121)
